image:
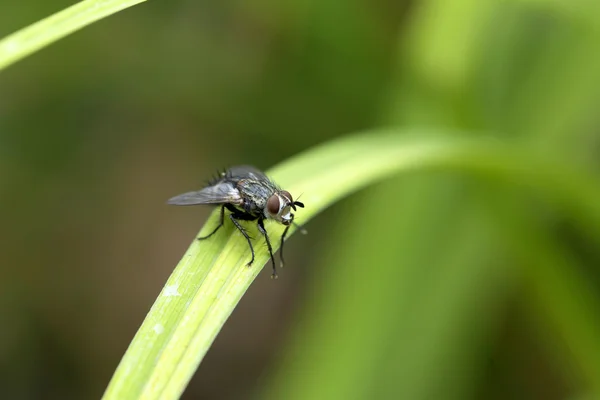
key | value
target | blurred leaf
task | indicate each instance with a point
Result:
(555, 102)
(444, 38)
(556, 285)
(584, 12)
(398, 310)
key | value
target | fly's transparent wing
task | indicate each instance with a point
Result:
(246, 171)
(220, 193)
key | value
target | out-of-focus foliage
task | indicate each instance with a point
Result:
(427, 286)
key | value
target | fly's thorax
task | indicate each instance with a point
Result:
(255, 193)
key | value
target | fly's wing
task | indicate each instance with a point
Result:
(220, 193)
(246, 171)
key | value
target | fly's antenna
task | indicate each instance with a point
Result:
(301, 205)
(298, 203)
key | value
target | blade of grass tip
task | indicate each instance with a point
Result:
(42, 33)
(212, 276)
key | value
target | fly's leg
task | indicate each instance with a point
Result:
(282, 241)
(261, 229)
(218, 226)
(244, 217)
(300, 228)
(283, 235)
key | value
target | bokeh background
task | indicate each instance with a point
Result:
(415, 288)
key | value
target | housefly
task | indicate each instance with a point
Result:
(249, 195)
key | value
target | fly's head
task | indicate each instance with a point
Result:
(279, 207)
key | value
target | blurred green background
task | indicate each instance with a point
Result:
(428, 286)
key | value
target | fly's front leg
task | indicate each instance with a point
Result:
(218, 226)
(283, 241)
(244, 217)
(261, 229)
(300, 228)
(283, 235)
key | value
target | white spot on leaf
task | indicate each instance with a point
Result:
(158, 328)
(171, 291)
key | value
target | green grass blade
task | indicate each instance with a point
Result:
(404, 302)
(555, 282)
(211, 278)
(34, 37)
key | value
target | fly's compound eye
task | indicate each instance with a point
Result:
(273, 204)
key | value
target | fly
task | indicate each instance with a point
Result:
(250, 196)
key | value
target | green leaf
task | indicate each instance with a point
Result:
(403, 303)
(37, 36)
(560, 294)
(212, 276)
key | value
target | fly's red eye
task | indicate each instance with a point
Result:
(287, 195)
(273, 204)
